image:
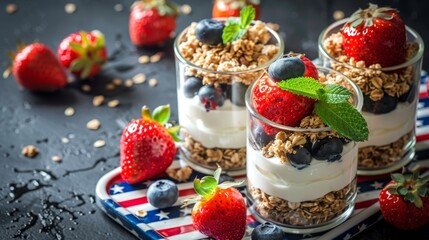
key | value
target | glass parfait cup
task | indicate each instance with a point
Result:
(211, 103)
(306, 198)
(391, 96)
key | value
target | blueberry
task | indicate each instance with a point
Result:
(225, 178)
(286, 68)
(384, 105)
(267, 231)
(328, 149)
(162, 193)
(408, 96)
(209, 31)
(301, 158)
(211, 97)
(238, 90)
(260, 136)
(191, 86)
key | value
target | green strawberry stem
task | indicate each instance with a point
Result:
(206, 187)
(411, 186)
(161, 115)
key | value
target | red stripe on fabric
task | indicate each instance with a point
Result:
(423, 94)
(250, 219)
(143, 200)
(422, 137)
(168, 232)
(365, 204)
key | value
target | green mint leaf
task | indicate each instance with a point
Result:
(233, 21)
(344, 119)
(232, 32)
(161, 114)
(247, 15)
(305, 86)
(335, 94)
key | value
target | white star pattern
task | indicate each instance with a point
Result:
(347, 237)
(377, 185)
(117, 189)
(420, 105)
(362, 227)
(186, 211)
(163, 215)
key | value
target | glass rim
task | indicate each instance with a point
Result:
(253, 111)
(181, 58)
(417, 56)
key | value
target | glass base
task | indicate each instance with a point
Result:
(409, 155)
(304, 229)
(207, 169)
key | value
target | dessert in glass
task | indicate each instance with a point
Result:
(302, 145)
(212, 78)
(384, 58)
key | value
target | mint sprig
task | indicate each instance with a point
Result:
(332, 106)
(235, 29)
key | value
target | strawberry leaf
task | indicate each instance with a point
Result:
(397, 177)
(422, 191)
(402, 190)
(77, 48)
(199, 188)
(77, 64)
(85, 39)
(305, 86)
(146, 115)
(208, 185)
(409, 197)
(161, 114)
(343, 118)
(174, 132)
(225, 185)
(86, 70)
(217, 173)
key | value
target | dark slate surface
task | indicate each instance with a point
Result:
(40, 199)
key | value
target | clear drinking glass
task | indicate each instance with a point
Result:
(212, 112)
(393, 90)
(300, 199)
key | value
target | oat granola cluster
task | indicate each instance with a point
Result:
(249, 52)
(312, 212)
(371, 80)
(227, 158)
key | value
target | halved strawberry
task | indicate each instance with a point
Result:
(83, 53)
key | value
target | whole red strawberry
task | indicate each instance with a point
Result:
(232, 8)
(147, 148)
(282, 106)
(152, 21)
(404, 202)
(36, 68)
(375, 35)
(220, 211)
(83, 53)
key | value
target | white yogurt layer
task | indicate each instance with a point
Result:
(224, 127)
(387, 128)
(314, 181)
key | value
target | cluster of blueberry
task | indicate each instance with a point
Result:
(211, 96)
(328, 149)
(387, 103)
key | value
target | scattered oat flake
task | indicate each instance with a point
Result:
(99, 143)
(338, 15)
(153, 82)
(70, 8)
(110, 86)
(113, 103)
(156, 57)
(141, 213)
(139, 78)
(118, 7)
(98, 100)
(56, 158)
(93, 124)
(69, 111)
(30, 151)
(181, 174)
(65, 140)
(128, 83)
(86, 88)
(11, 8)
(186, 9)
(143, 59)
(117, 81)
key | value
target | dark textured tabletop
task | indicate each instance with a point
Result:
(43, 199)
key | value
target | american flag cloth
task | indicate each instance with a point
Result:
(121, 201)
